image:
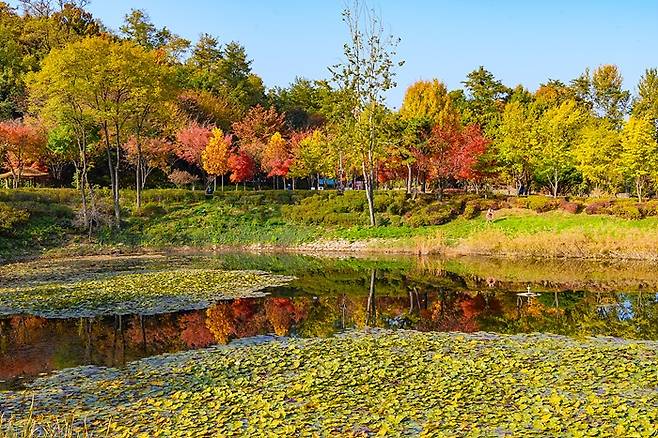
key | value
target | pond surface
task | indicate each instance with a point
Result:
(327, 296)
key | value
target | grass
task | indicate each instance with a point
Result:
(523, 227)
(553, 235)
(393, 383)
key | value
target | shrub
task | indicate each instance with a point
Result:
(433, 214)
(11, 217)
(626, 211)
(541, 204)
(598, 207)
(650, 208)
(471, 210)
(570, 207)
(182, 178)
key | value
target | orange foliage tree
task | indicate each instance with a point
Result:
(277, 157)
(255, 130)
(21, 146)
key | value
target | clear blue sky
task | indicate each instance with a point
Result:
(519, 41)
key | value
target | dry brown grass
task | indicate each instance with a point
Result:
(625, 244)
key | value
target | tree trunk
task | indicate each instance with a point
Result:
(367, 177)
(371, 306)
(138, 186)
(222, 183)
(409, 176)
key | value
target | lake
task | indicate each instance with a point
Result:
(328, 295)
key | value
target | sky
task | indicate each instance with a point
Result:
(520, 42)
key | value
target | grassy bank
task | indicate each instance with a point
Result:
(395, 383)
(543, 227)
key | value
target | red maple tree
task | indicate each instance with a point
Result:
(191, 141)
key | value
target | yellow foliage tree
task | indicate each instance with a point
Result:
(429, 100)
(215, 155)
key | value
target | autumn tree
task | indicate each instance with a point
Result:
(596, 153)
(602, 91)
(646, 103)
(216, 154)
(365, 76)
(429, 100)
(242, 166)
(191, 141)
(469, 156)
(311, 157)
(639, 154)
(21, 145)
(148, 154)
(277, 158)
(440, 163)
(557, 132)
(256, 129)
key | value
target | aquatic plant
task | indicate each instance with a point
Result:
(366, 384)
(135, 293)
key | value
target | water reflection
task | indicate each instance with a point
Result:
(32, 345)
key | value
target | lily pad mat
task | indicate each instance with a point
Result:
(135, 293)
(393, 383)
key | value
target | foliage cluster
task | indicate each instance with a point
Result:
(383, 382)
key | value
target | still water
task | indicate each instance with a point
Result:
(330, 295)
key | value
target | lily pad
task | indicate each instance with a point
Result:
(135, 293)
(365, 383)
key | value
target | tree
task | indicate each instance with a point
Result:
(206, 108)
(365, 76)
(639, 154)
(469, 155)
(300, 102)
(243, 167)
(485, 99)
(596, 153)
(138, 28)
(225, 71)
(182, 178)
(191, 141)
(216, 154)
(602, 91)
(646, 104)
(21, 145)
(256, 129)
(441, 164)
(111, 85)
(429, 100)
(277, 157)
(557, 132)
(516, 142)
(311, 157)
(59, 96)
(12, 67)
(148, 154)
(60, 150)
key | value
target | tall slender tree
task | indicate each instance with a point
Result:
(366, 74)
